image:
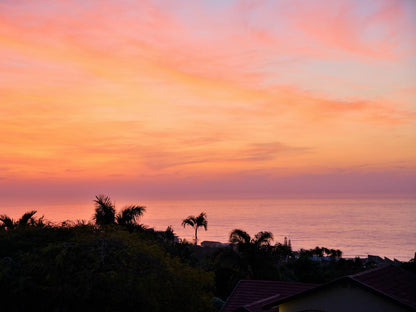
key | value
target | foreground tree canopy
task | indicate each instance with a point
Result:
(114, 265)
(79, 268)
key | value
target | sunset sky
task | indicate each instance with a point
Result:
(209, 98)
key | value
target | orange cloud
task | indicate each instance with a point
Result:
(107, 90)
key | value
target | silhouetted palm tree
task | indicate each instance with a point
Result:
(129, 214)
(241, 237)
(10, 224)
(262, 239)
(335, 254)
(104, 211)
(28, 216)
(249, 249)
(196, 222)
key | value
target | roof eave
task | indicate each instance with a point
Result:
(347, 279)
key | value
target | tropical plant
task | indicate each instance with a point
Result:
(196, 222)
(26, 219)
(104, 210)
(128, 215)
(253, 257)
(8, 223)
(334, 254)
(105, 213)
(262, 239)
(28, 216)
(242, 238)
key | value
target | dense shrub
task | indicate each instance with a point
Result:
(73, 268)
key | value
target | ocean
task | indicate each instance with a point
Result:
(358, 227)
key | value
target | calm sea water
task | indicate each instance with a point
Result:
(358, 227)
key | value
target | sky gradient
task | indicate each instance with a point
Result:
(207, 98)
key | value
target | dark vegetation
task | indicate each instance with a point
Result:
(117, 264)
(196, 222)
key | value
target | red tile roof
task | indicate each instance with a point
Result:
(249, 292)
(392, 281)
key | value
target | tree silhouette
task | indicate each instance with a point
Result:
(28, 216)
(10, 224)
(128, 215)
(262, 239)
(105, 213)
(196, 222)
(169, 235)
(250, 249)
(242, 238)
(104, 210)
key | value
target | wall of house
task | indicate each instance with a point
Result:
(339, 299)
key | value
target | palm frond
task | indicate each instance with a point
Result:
(103, 201)
(8, 223)
(129, 214)
(104, 210)
(238, 236)
(191, 220)
(263, 238)
(201, 220)
(196, 222)
(23, 221)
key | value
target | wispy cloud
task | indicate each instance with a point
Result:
(151, 88)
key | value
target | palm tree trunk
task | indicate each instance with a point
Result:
(196, 235)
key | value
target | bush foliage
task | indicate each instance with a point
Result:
(77, 268)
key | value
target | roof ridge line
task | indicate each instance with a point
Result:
(381, 266)
(264, 299)
(230, 295)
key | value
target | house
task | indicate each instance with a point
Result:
(387, 288)
(213, 244)
(250, 295)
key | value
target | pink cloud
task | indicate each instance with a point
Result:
(86, 81)
(343, 26)
(237, 45)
